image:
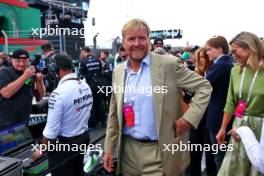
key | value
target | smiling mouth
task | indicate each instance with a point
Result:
(139, 49)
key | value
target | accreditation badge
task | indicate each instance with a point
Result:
(240, 109)
(129, 115)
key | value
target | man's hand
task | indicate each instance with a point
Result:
(181, 126)
(37, 155)
(39, 77)
(108, 162)
(29, 72)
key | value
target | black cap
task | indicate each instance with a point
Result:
(20, 54)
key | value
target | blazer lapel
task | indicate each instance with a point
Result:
(120, 83)
(157, 79)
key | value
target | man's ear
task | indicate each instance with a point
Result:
(220, 49)
(58, 72)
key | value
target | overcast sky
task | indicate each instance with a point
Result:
(199, 19)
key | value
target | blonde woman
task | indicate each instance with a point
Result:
(244, 101)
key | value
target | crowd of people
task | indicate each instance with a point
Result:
(213, 96)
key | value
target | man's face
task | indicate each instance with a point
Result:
(103, 56)
(45, 53)
(158, 44)
(213, 52)
(20, 64)
(82, 54)
(123, 55)
(136, 43)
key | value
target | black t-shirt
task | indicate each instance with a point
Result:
(91, 69)
(18, 107)
(51, 80)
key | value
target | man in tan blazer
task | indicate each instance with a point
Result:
(145, 149)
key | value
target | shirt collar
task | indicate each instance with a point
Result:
(68, 76)
(217, 59)
(146, 61)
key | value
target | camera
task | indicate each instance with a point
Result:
(40, 64)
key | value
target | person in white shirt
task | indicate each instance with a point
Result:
(69, 111)
(254, 148)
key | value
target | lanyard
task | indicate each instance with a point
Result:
(251, 85)
(129, 87)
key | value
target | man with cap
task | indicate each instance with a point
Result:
(69, 111)
(16, 89)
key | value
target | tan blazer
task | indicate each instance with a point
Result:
(165, 71)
